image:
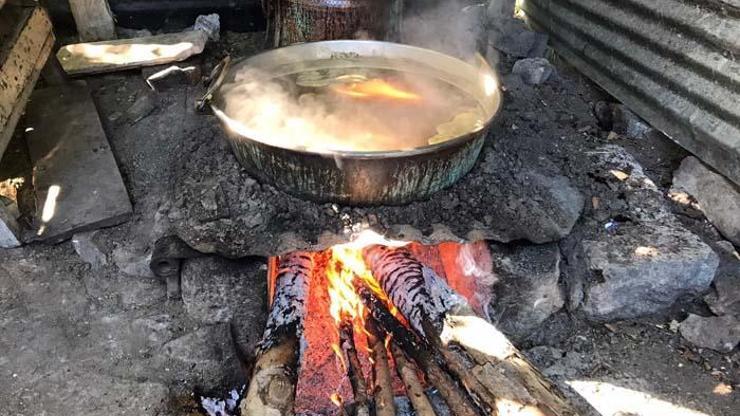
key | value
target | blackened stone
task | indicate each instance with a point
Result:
(719, 333)
(527, 291)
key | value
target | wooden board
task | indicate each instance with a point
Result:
(118, 55)
(26, 40)
(94, 20)
(77, 181)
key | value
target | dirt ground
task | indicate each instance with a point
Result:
(86, 340)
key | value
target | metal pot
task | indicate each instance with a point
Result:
(365, 178)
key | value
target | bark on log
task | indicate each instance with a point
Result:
(415, 392)
(382, 380)
(491, 368)
(419, 351)
(272, 388)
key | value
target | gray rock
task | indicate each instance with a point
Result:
(725, 296)
(719, 333)
(642, 270)
(527, 290)
(717, 196)
(217, 290)
(512, 37)
(143, 106)
(206, 356)
(138, 292)
(133, 261)
(534, 71)
(87, 248)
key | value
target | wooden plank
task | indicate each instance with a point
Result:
(78, 185)
(118, 55)
(94, 20)
(22, 57)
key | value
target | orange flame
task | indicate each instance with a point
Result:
(375, 88)
(336, 399)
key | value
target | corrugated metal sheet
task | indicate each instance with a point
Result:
(674, 62)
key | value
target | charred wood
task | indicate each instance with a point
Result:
(382, 379)
(414, 390)
(354, 368)
(493, 371)
(272, 387)
(419, 351)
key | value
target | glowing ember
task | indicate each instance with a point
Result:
(375, 88)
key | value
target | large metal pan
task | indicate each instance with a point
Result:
(365, 178)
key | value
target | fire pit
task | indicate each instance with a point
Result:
(357, 122)
(343, 319)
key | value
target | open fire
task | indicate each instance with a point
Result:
(357, 325)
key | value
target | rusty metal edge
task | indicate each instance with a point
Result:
(633, 78)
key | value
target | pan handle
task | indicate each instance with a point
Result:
(214, 80)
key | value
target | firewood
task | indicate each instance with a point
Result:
(490, 367)
(419, 351)
(354, 369)
(382, 380)
(272, 388)
(415, 392)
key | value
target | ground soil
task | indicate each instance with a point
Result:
(78, 340)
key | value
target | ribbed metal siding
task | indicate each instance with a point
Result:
(674, 62)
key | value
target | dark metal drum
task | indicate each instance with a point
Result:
(366, 178)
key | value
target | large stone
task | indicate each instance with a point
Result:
(205, 357)
(527, 291)
(512, 37)
(719, 333)
(217, 290)
(718, 197)
(643, 269)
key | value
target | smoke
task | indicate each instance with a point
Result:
(350, 109)
(454, 27)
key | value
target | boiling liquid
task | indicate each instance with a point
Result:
(351, 109)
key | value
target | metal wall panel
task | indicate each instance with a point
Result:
(674, 62)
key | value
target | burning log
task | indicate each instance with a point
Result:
(489, 366)
(382, 379)
(415, 392)
(419, 351)
(354, 368)
(272, 388)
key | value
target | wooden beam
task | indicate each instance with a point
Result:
(119, 55)
(26, 40)
(94, 20)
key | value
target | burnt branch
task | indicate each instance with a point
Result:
(419, 351)
(408, 373)
(382, 379)
(354, 369)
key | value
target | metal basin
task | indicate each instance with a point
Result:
(365, 178)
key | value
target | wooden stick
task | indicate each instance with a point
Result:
(94, 20)
(415, 392)
(490, 367)
(382, 380)
(354, 369)
(272, 388)
(456, 399)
